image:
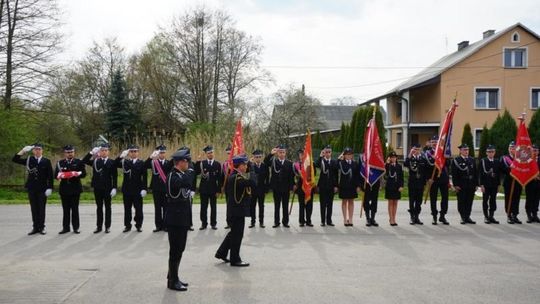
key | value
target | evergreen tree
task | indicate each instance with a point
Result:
(502, 132)
(534, 128)
(467, 138)
(119, 115)
(485, 140)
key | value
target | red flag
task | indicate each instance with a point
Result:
(306, 170)
(373, 153)
(523, 168)
(444, 139)
(237, 144)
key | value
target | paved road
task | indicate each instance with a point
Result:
(405, 264)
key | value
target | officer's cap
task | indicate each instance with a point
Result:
(182, 154)
(68, 148)
(240, 159)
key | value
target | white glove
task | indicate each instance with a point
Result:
(113, 192)
(154, 154)
(94, 150)
(124, 153)
(143, 193)
(48, 192)
(192, 194)
(28, 148)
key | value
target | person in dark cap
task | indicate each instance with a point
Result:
(209, 186)
(160, 168)
(439, 183)
(348, 183)
(69, 171)
(490, 179)
(104, 182)
(394, 185)
(532, 192)
(259, 168)
(417, 180)
(327, 185)
(180, 182)
(305, 208)
(281, 182)
(134, 186)
(239, 188)
(506, 162)
(465, 181)
(370, 199)
(39, 183)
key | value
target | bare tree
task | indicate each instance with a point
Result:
(30, 39)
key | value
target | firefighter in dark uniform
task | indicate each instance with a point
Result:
(39, 183)
(327, 184)
(417, 180)
(70, 171)
(506, 162)
(439, 183)
(104, 182)
(259, 192)
(281, 182)
(348, 184)
(305, 208)
(490, 179)
(160, 167)
(178, 213)
(370, 196)
(532, 191)
(465, 181)
(209, 186)
(134, 186)
(239, 189)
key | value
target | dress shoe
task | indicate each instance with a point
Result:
(214, 227)
(63, 231)
(412, 221)
(176, 286)
(251, 225)
(309, 224)
(139, 229)
(510, 220)
(227, 227)
(330, 224)
(203, 227)
(76, 231)
(98, 230)
(33, 231)
(43, 231)
(516, 220)
(373, 223)
(470, 221)
(434, 222)
(487, 220)
(418, 222)
(240, 264)
(156, 230)
(323, 224)
(183, 283)
(301, 225)
(191, 228)
(529, 219)
(443, 220)
(393, 225)
(107, 230)
(262, 225)
(127, 229)
(463, 221)
(536, 219)
(286, 226)
(493, 220)
(221, 257)
(275, 226)
(368, 223)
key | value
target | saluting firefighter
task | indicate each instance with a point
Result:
(327, 185)
(532, 191)
(507, 184)
(104, 182)
(134, 186)
(465, 181)
(371, 195)
(348, 184)
(209, 186)
(417, 180)
(39, 183)
(239, 189)
(439, 184)
(305, 208)
(281, 182)
(69, 171)
(260, 169)
(177, 218)
(160, 168)
(490, 179)
(394, 185)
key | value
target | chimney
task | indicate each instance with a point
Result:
(462, 45)
(488, 33)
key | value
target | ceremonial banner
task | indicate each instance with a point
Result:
(372, 163)
(443, 149)
(523, 168)
(307, 170)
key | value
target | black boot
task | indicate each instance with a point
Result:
(529, 218)
(536, 218)
(373, 221)
(510, 220)
(443, 220)
(412, 221)
(516, 220)
(434, 222)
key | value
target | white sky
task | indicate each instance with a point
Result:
(336, 48)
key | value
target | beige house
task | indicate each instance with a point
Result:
(502, 70)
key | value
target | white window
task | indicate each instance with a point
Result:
(477, 138)
(515, 37)
(515, 58)
(399, 140)
(487, 98)
(535, 98)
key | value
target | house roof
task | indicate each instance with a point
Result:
(432, 73)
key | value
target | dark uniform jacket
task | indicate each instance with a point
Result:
(444, 177)
(490, 172)
(104, 172)
(464, 173)
(417, 172)
(348, 175)
(40, 176)
(281, 175)
(135, 176)
(211, 176)
(328, 176)
(179, 186)
(394, 176)
(156, 183)
(72, 185)
(262, 177)
(239, 191)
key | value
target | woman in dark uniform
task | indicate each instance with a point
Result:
(394, 185)
(348, 176)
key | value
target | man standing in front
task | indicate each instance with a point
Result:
(160, 167)
(39, 183)
(417, 179)
(281, 182)
(490, 179)
(465, 180)
(259, 192)
(327, 184)
(439, 183)
(209, 186)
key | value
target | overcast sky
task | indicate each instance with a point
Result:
(336, 48)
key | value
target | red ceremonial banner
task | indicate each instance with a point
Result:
(306, 170)
(523, 168)
(444, 138)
